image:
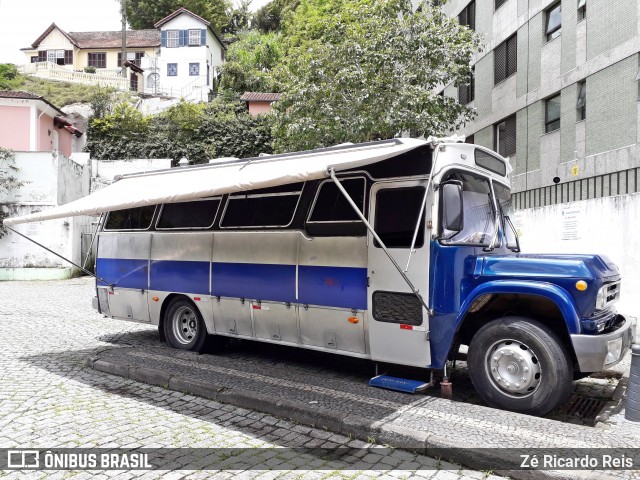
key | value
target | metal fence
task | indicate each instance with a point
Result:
(608, 185)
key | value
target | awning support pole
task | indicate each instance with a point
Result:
(332, 173)
(59, 256)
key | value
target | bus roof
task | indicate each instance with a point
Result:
(198, 181)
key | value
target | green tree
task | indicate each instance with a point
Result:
(270, 17)
(249, 63)
(8, 181)
(10, 79)
(145, 13)
(370, 69)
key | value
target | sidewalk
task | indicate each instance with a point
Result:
(331, 392)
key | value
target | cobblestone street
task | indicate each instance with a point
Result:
(49, 398)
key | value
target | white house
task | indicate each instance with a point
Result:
(190, 56)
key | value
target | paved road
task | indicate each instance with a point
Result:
(49, 398)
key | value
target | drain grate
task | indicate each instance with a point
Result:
(585, 409)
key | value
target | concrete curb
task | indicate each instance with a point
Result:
(364, 429)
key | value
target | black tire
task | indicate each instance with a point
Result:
(183, 326)
(518, 364)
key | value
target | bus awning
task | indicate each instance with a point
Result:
(198, 181)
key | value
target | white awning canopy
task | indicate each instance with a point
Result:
(198, 181)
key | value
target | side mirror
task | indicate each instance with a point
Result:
(451, 207)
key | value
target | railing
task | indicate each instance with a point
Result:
(55, 72)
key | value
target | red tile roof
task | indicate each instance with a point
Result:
(260, 97)
(135, 39)
(27, 96)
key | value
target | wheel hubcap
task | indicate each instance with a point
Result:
(514, 368)
(185, 325)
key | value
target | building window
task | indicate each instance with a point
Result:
(499, 3)
(133, 57)
(173, 38)
(505, 59)
(172, 69)
(468, 15)
(554, 21)
(194, 38)
(552, 114)
(42, 55)
(505, 137)
(466, 93)
(582, 101)
(194, 69)
(582, 9)
(68, 57)
(98, 60)
(34, 59)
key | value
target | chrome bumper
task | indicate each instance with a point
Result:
(599, 352)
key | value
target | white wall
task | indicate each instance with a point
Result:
(50, 180)
(609, 226)
(103, 171)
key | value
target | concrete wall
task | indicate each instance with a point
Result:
(605, 226)
(104, 171)
(50, 180)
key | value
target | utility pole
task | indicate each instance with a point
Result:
(123, 8)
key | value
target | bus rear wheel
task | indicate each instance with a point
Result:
(184, 327)
(519, 364)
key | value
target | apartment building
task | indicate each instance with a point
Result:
(556, 90)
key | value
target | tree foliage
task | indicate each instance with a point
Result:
(271, 16)
(8, 181)
(249, 63)
(10, 79)
(199, 132)
(145, 13)
(362, 69)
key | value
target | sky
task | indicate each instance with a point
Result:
(22, 21)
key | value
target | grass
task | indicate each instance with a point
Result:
(57, 93)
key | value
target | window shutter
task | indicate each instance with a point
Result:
(182, 38)
(68, 57)
(463, 94)
(42, 55)
(499, 62)
(163, 38)
(510, 136)
(203, 36)
(512, 55)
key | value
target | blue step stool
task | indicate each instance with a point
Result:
(398, 384)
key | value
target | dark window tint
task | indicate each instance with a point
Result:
(499, 3)
(260, 211)
(397, 211)
(582, 9)
(468, 15)
(198, 214)
(466, 93)
(332, 206)
(130, 219)
(582, 101)
(505, 137)
(554, 22)
(491, 163)
(552, 114)
(505, 59)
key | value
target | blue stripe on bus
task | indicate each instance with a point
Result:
(123, 272)
(254, 280)
(344, 287)
(333, 286)
(180, 276)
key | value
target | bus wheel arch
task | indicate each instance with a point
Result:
(182, 325)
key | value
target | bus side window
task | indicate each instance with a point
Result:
(397, 211)
(260, 210)
(332, 215)
(130, 219)
(198, 214)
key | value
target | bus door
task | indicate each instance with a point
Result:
(398, 321)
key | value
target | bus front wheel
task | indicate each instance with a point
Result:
(519, 364)
(184, 327)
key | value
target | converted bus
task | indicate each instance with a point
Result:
(398, 251)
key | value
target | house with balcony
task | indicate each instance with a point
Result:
(179, 58)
